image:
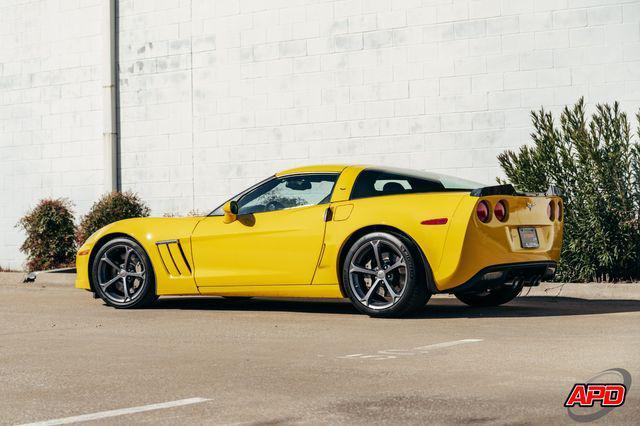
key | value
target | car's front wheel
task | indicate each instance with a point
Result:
(122, 274)
(491, 297)
(383, 277)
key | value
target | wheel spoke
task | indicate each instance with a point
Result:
(108, 283)
(125, 290)
(398, 264)
(373, 288)
(136, 274)
(358, 269)
(126, 258)
(391, 291)
(376, 252)
(109, 262)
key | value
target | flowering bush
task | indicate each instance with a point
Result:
(50, 231)
(110, 208)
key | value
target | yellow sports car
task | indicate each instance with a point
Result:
(385, 238)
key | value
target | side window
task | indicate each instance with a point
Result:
(374, 183)
(288, 192)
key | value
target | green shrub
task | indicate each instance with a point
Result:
(50, 235)
(110, 208)
(596, 164)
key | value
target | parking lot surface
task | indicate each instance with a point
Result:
(64, 355)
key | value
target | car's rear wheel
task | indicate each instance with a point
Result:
(491, 297)
(382, 275)
(122, 274)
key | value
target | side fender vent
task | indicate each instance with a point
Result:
(173, 259)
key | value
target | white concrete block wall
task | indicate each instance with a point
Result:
(50, 110)
(217, 94)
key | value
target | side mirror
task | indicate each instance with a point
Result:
(230, 209)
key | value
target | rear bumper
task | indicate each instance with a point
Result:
(530, 273)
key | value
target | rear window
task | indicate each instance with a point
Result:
(374, 183)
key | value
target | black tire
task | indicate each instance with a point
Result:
(238, 298)
(494, 297)
(140, 289)
(406, 280)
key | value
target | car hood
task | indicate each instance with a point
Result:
(148, 230)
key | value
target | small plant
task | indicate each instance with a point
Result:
(50, 239)
(596, 164)
(110, 208)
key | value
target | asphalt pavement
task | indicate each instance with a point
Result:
(65, 355)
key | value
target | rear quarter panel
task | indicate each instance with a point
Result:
(403, 212)
(472, 245)
(455, 251)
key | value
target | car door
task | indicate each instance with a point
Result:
(275, 240)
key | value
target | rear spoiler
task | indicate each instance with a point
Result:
(510, 190)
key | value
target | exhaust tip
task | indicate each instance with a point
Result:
(549, 272)
(490, 276)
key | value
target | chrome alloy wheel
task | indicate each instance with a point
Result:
(121, 273)
(378, 274)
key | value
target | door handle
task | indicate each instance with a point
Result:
(328, 214)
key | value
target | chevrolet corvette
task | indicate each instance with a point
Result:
(385, 238)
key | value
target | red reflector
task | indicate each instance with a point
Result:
(500, 210)
(559, 211)
(551, 210)
(83, 252)
(482, 210)
(438, 221)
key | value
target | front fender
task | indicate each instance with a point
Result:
(148, 232)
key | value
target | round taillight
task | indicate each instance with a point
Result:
(551, 211)
(500, 211)
(483, 211)
(559, 211)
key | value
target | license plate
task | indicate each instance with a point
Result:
(528, 237)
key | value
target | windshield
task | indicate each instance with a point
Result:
(279, 193)
(372, 182)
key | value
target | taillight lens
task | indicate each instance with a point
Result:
(551, 211)
(483, 211)
(500, 211)
(559, 211)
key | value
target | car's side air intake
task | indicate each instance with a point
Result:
(173, 258)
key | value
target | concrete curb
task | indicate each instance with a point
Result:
(593, 291)
(590, 291)
(43, 279)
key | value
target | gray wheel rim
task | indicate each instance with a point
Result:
(378, 274)
(121, 274)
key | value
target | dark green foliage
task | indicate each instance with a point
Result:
(110, 208)
(50, 239)
(597, 166)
